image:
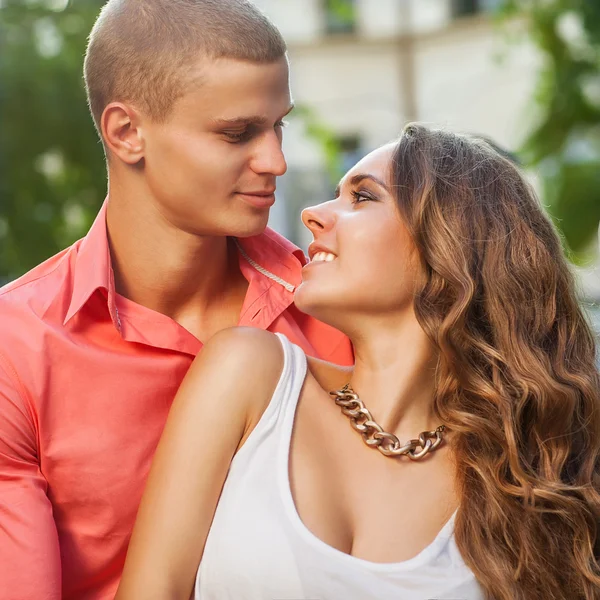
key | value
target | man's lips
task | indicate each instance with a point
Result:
(265, 192)
(259, 198)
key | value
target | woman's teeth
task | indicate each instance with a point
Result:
(323, 257)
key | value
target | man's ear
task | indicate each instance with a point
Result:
(121, 131)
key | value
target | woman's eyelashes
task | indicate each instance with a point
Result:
(359, 196)
(248, 133)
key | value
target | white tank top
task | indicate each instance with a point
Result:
(259, 549)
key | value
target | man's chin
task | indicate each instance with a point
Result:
(251, 228)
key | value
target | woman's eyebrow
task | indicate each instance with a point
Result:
(356, 179)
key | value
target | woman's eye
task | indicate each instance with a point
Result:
(358, 197)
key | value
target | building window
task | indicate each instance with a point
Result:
(340, 16)
(351, 151)
(462, 8)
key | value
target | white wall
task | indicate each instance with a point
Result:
(352, 91)
(471, 79)
(303, 21)
(459, 82)
(298, 20)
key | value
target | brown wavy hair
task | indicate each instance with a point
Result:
(517, 381)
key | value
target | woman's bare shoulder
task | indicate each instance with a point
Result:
(242, 362)
(247, 348)
(328, 375)
(244, 342)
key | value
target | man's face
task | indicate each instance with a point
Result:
(212, 166)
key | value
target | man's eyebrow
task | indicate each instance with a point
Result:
(245, 121)
(356, 179)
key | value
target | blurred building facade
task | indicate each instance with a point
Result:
(367, 67)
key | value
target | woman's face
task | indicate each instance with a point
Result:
(362, 259)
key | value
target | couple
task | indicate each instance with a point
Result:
(283, 472)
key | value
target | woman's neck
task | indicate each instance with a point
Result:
(394, 375)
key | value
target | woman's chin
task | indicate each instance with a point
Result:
(309, 299)
(312, 300)
(302, 298)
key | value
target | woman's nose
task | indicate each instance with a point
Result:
(317, 218)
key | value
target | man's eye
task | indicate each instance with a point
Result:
(247, 134)
(236, 136)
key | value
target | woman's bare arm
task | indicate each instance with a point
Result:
(219, 402)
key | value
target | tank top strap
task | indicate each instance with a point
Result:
(292, 379)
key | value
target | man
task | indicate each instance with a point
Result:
(188, 97)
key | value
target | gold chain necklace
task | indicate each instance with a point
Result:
(374, 435)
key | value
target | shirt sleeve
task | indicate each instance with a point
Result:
(29, 550)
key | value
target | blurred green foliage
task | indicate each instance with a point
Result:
(564, 145)
(52, 174)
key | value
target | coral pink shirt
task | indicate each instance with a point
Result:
(86, 381)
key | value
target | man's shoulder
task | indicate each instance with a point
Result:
(31, 293)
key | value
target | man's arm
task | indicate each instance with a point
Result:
(221, 399)
(29, 550)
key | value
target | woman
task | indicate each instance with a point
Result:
(436, 260)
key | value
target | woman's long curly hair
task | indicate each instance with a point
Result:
(517, 381)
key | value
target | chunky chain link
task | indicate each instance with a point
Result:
(374, 435)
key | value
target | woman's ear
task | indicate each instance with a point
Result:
(121, 132)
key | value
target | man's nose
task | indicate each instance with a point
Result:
(268, 157)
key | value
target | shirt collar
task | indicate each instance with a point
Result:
(271, 255)
(275, 257)
(93, 269)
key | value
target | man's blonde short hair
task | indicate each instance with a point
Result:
(142, 51)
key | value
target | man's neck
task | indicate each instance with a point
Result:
(194, 280)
